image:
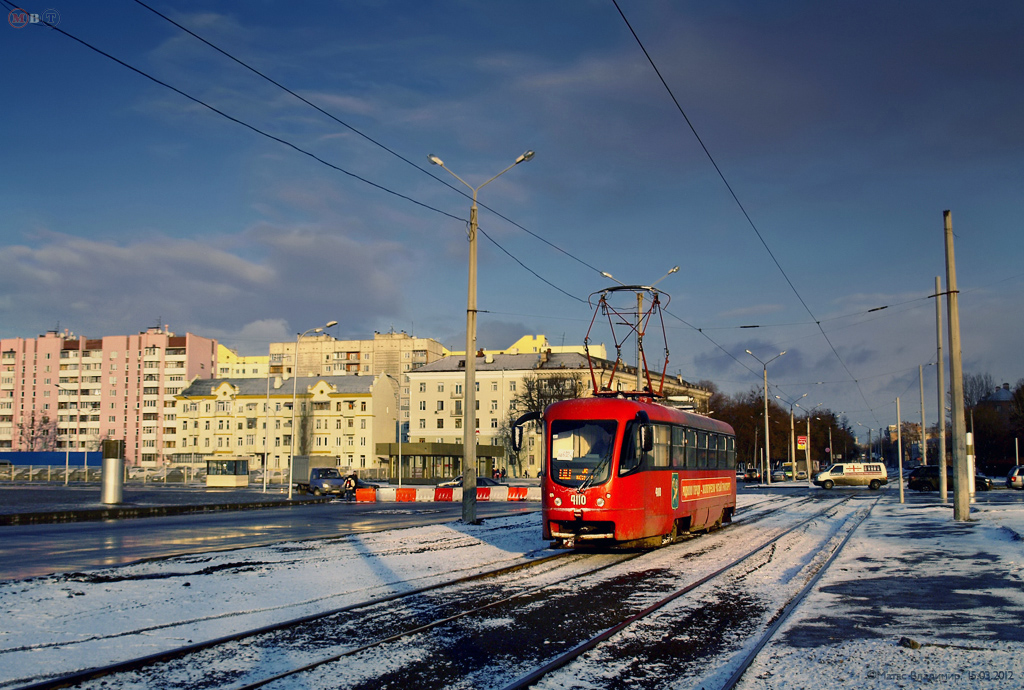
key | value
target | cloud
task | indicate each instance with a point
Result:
(294, 276)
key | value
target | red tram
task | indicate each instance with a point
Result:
(627, 471)
(620, 467)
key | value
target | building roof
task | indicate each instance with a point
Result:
(522, 362)
(1001, 394)
(258, 387)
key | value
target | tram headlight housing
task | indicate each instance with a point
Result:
(558, 501)
(600, 503)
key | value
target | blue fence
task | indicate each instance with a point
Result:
(54, 457)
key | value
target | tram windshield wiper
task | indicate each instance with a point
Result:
(590, 478)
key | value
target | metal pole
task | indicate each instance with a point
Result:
(899, 445)
(961, 479)
(767, 436)
(639, 338)
(943, 489)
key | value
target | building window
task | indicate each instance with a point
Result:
(423, 387)
(440, 422)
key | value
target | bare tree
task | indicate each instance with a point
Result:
(38, 433)
(976, 387)
(535, 394)
(305, 430)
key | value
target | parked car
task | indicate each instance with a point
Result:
(926, 478)
(752, 474)
(1015, 479)
(779, 476)
(480, 481)
(360, 484)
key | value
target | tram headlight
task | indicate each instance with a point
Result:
(600, 503)
(558, 501)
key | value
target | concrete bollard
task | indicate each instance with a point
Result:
(113, 472)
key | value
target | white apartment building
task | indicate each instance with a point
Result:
(116, 387)
(344, 417)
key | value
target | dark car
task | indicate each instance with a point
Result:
(926, 478)
(480, 481)
(752, 474)
(360, 484)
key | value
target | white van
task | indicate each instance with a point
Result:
(869, 474)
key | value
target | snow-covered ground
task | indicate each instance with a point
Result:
(909, 577)
(909, 572)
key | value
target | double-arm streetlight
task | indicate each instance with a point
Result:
(295, 383)
(767, 447)
(807, 448)
(792, 431)
(469, 394)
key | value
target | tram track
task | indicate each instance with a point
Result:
(311, 634)
(650, 679)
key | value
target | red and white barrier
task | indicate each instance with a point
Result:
(430, 494)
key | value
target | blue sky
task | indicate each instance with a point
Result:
(845, 129)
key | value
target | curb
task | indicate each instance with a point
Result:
(127, 513)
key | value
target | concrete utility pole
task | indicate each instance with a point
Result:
(961, 478)
(924, 433)
(943, 489)
(469, 385)
(899, 445)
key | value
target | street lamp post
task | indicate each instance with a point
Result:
(469, 393)
(807, 447)
(792, 432)
(295, 380)
(767, 447)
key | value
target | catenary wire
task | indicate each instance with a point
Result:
(287, 143)
(739, 204)
(370, 139)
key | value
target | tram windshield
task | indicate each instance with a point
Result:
(581, 451)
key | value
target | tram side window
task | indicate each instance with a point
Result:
(691, 449)
(678, 446)
(702, 449)
(732, 452)
(661, 453)
(712, 450)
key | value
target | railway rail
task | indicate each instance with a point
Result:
(312, 644)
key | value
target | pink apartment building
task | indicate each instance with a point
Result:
(59, 391)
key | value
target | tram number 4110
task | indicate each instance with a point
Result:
(578, 500)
